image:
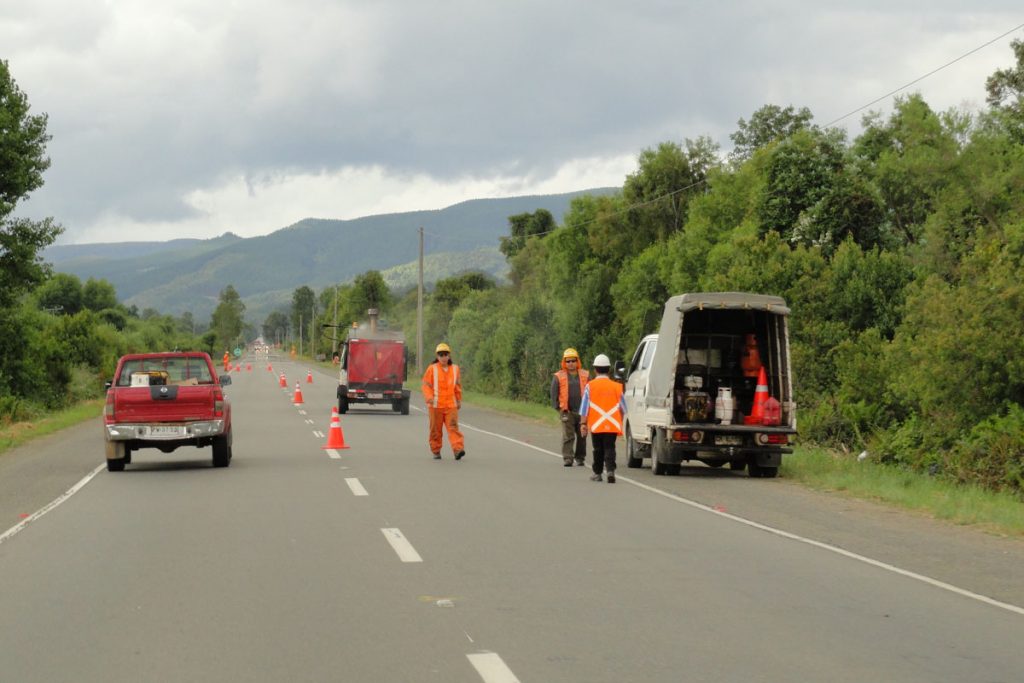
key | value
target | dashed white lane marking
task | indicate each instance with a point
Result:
(356, 486)
(42, 511)
(406, 553)
(309, 422)
(334, 455)
(491, 668)
(318, 434)
(785, 534)
(302, 412)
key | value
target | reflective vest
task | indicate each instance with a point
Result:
(563, 387)
(603, 406)
(442, 389)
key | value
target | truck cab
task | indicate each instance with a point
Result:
(694, 391)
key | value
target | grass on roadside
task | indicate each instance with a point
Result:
(821, 469)
(16, 433)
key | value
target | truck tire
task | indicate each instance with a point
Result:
(342, 404)
(659, 447)
(737, 465)
(118, 449)
(631, 457)
(405, 406)
(761, 472)
(222, 451)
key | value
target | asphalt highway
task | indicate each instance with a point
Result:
(378, 563)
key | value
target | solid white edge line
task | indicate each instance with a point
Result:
(50, 506)
(785, 534)
(356, 486)
(406, 553)
(492, 668)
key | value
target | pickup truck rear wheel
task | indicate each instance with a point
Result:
(117, 449)
(222, 451)
(631, 457)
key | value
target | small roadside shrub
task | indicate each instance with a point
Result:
(992, 454)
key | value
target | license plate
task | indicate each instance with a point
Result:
(728, 440)
(375, 395)
(165, 431)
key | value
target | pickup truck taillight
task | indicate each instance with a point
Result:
(108, 409)
(218, 402)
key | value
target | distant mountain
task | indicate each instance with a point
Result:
(188, 275)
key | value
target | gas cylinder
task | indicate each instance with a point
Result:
(724, 405)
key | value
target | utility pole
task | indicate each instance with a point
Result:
(419, 314)
(334, 344)
(300, 334)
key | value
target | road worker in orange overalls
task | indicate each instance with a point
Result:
(442, 390)
(227, 362)
(602, 411)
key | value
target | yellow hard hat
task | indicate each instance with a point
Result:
(570, 353)
(442, 347)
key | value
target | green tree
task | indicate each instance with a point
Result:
(275, 327)
(23, 160)
(303, 300)
(766, 125)
(370, 291)
(226, 321)
(659, 192)
(98, 294)
(1006, 92)
(522, 227)
(61, 293)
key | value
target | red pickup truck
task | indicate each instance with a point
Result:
(164, 401)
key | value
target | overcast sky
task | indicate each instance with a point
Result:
(189, 118)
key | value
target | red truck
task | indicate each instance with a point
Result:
(165, 401)
(373, 370)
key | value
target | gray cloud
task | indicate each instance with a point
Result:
(148, 103)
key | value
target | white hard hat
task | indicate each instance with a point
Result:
(601, 361)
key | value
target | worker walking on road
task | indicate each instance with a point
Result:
(566, 394)
(602, 410)
(442, 390)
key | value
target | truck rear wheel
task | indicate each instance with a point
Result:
(761, 472)
(222, 451)
(659, 447)
(118, 450)
(342, 405)
(404, 409)
(631, 457)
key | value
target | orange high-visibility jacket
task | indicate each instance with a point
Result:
(563, 386)
(603, 406)
(441, 388)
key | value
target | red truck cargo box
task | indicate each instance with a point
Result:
(376, 361)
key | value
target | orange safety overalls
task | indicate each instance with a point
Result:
(443, 393)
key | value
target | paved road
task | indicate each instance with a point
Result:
(504, 566)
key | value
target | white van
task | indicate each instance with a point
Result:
(692, 391)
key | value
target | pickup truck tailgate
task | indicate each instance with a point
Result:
(169, 403)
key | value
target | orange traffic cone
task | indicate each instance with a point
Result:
(297, 398)
(283, 382)
(309, 377)
(335, 438)
(270, 368)
(756, 416)
(248, 367)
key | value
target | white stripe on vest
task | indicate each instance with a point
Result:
(455, 369)
(605, 416)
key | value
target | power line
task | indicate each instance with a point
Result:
(827, 125)
(921, 78)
